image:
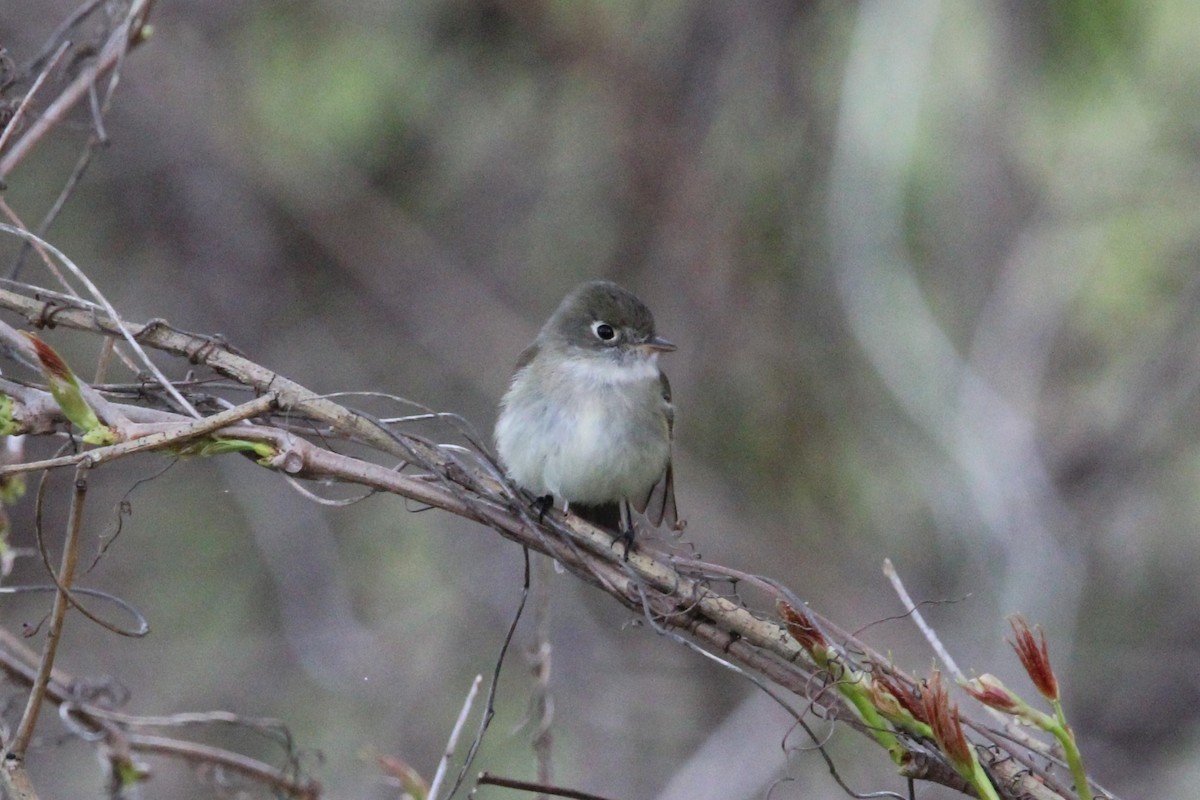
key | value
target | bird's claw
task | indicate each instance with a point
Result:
(626, 538)
(542, 505)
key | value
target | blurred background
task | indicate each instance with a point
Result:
(932, 272)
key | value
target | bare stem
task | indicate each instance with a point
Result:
(62, 601)
(157, 436)
(487, 779)
(15, 781)
(911, 609)
(452, 742)
(110, 56)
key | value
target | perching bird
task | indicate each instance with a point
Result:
(588, 418)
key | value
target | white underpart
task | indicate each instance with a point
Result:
(593, 430)
(596, 372)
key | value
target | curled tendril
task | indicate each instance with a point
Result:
(140, 629)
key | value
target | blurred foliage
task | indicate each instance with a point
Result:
(393, 196)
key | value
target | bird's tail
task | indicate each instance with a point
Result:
(603, 515)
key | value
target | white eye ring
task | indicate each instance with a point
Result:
(603, 331)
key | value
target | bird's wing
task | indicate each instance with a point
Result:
(666, 396)
(527, 355)
(659, 505)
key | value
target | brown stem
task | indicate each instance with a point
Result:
(62, 601)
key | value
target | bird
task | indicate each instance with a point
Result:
(588, 416)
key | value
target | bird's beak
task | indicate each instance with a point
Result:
(658, 344)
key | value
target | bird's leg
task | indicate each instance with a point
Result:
(627, 531)
(542, 505)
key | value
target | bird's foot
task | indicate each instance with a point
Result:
(626, 538)
(542, 505)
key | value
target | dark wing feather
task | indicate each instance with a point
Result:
(659, 505)
(666, 396)
(527, 355)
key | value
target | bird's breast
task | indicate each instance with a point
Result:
(601, 434)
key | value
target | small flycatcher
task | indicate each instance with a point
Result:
(588, 418)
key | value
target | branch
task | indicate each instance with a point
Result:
(66, 575)
(120, 39)
(849, 682)
(114, 730)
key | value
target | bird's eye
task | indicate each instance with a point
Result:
(604, 332)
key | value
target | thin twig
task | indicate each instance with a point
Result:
(28, 98)
(66, 575)
(81, 165)
(122, 328)
(911, 609)
(155, 436)
(541, 705)
(490, 711)
(51, 267)
(103, 723)
(59, 34)
(488, 779)
(143, 627)
(452, 743)
(234, 762)
(110, 55)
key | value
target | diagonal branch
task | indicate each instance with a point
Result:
(675, 595)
